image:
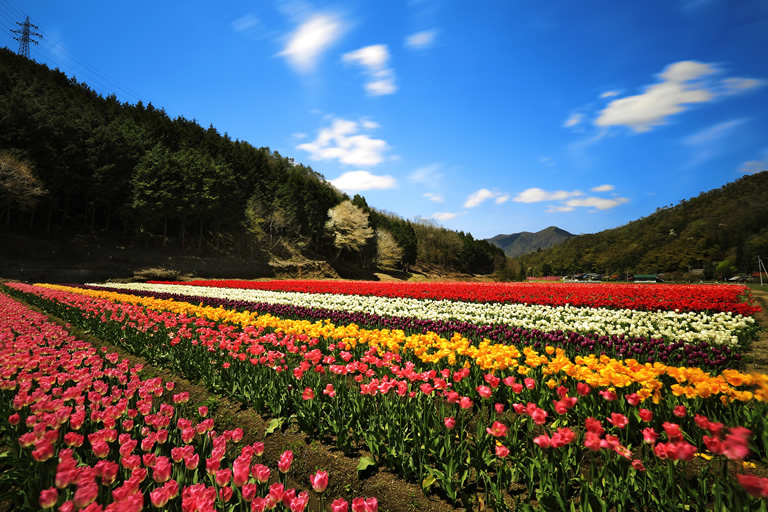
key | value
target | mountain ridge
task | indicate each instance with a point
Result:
(517, 244)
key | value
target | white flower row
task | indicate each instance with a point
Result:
(719, 328)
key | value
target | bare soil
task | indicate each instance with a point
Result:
(759, 350)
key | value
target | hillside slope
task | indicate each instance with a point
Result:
(721, 231)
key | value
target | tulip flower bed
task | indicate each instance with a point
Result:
(690, 338)
(470, 420)
(640, 297)
(88, 433)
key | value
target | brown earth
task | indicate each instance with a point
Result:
(759, 349)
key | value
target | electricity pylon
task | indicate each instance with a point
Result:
(25, 33)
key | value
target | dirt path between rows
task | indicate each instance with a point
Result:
(759, 351)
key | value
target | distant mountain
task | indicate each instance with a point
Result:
(521, 243)
(722, 232)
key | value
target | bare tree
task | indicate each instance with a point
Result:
(349, 226)
(388, 253)
(19, 186)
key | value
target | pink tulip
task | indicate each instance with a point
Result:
(319, 481)
(260, 473)
(484, 391)
(365, 505)
(498, 429)
(284, 464)
(159, 497)
(223, 476)
(49, 497)
(341, 505)
(249, 492)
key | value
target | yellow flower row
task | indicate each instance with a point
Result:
(597, 371)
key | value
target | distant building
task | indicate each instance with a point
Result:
(647, 278)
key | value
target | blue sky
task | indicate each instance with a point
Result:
(488, 117)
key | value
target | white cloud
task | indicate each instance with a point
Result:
(299, 135)
(601, 203)
(434, 197)
(310, 40)
(570, 200)
(479, 196)
(427, 175)
(421, 40)
(444, 215)
(537, 195)
(343, 142)
(609, 94)
(374, 60)
(573, 120)
(356, 181)
(681, 83)
(369, 125)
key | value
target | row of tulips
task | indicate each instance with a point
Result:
(455, 426)
(88, 433)
(641, 297)
(426, 348)
(688, 338)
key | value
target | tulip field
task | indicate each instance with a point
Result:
(489, 396)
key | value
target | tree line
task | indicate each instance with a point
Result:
(71, 159)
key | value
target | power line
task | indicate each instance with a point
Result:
(58, 54)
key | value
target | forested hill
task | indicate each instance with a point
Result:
(721, 231)
(72, 160)
(518, 244)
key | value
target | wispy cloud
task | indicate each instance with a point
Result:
(545, 160)
(306, 45)
(537, 195)
(609, 94)
(573, 120)
(356, 181)
(443, 215)
(599, 203)
(570, 200)
(759, 165)
(343, 141)
(680, 84)
(427, 175)
(246, 23)
(374, 60)
(480, 196)
(434, 197)
(421, 40)
(710, 142)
